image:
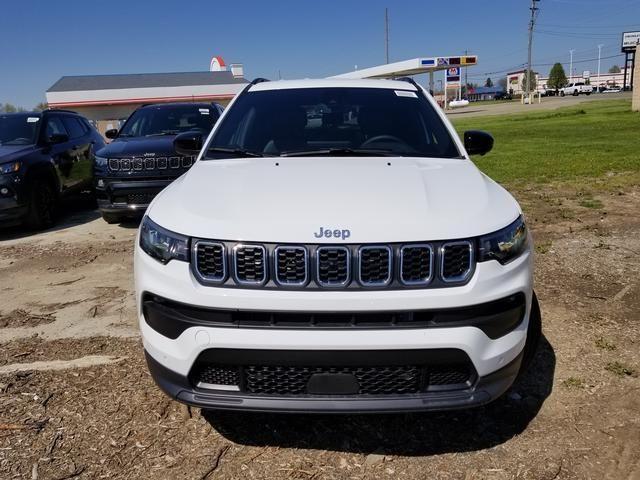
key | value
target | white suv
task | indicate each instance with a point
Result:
(335, 249)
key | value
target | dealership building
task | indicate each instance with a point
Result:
(107, 99)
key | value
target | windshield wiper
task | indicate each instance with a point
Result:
(235, 151)
(340, 152)
(161, 134)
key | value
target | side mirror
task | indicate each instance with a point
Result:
(57, 138)
(477, 142)
(188, 143)
(111, 134)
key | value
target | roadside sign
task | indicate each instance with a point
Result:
(453, 74)
(443, 61)
(586, 74)
(630, 40)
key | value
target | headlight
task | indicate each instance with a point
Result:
(162, 244)
(506, 244)
(10, 167)
(101, 162)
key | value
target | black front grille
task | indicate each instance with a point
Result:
(152, 163)
(333, 266)
(250, 264)
(216, 375)
(456, 260)
(375, 265)
(138, 163)
(210, 260)
(140, 198)
(291, 265)
(288, 380)
(415, 264)
(174, 162)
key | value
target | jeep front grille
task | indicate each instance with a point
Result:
(317, 266)
(291, 266)
(333, 265)
(456, 260)
(151, 163)
(250, 266)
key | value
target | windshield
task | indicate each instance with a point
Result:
(325, 121)
(19, 129)
(169, 120)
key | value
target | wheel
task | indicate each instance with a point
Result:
(562, 94)
(42, 205)
(588, 93)
(575, 93)
(534, 333)
(111, 218)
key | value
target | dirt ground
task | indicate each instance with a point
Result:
(76, 400)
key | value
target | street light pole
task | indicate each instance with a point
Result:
(527, 86)
(599, 50)
(571, 66)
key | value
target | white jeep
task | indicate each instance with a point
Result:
(334, 248)
(576, 89)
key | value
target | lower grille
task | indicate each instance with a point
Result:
(287, 380)
(140, 198)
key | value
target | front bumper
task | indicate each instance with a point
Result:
(495, 361)
(127, 196)
(13, 206)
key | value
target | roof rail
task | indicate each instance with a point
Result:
(259, 80)
(62, 110)
(408, 80)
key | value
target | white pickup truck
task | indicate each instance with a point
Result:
(576, 89)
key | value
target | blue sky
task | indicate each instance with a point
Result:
(40, 41)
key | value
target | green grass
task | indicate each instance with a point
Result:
(586, 141)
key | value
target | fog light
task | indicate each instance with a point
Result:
(101, 183)
(4, 191)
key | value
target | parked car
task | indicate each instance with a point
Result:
(140, 161)
(503, 96)
(44, 156)
(612, 90)
(324, 267)
(576, 89)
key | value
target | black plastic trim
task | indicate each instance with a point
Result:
(495, 319)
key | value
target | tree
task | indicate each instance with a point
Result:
(489, 82)
(530, 77)
(615, 69)
(41, 106)
(557, 77)
(8, 108)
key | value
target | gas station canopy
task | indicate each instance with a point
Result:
(415, 66)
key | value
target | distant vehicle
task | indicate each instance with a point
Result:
(140, 161)
(576, 89)
(44, 156)
(612, 90)
(458, 103)
(503, 96)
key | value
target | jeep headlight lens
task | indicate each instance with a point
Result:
(162, 244)
(10, 167)
(505, 244)
(101, 162)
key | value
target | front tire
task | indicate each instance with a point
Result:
(42, 205)
(534, 333)
(562, 94)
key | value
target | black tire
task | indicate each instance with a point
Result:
(42, 205)
(576, 93)
(111, 218)
(534, 333)
(562, 94)
(588, 93)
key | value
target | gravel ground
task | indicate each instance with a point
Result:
(76, 400)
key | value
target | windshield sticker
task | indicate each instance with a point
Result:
(204, 111)
(32, 119)
(405, 93)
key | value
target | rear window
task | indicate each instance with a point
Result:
(276, 122)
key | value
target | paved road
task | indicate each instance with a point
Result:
(548, 103)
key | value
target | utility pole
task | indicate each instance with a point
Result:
(571, 66)
(386, 34)
(532, 23)
(599, 50)
(466, 77)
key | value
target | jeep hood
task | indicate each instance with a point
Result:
(138, 146)
(379, 199)
(9, 153)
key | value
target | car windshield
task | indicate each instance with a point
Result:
(332, 121)
(19, 128)
(169, 120)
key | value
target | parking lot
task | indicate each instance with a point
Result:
(76, 400)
